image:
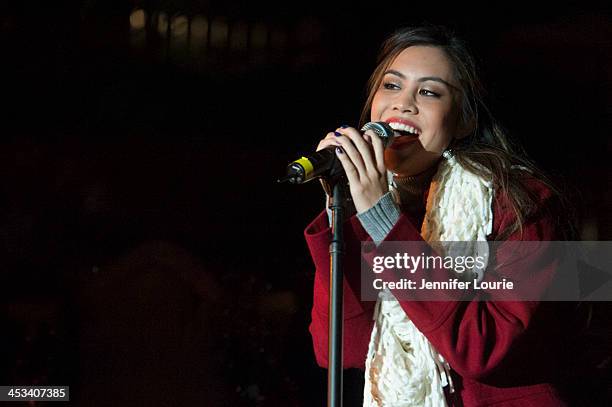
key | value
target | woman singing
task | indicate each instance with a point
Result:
(449, 174)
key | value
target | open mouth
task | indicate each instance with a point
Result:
(404, 130)
(403, 137)
(405, 133)
(400, 140)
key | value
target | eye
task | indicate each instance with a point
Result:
(390, 85)
(426, 92)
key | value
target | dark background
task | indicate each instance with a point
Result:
(149, 257)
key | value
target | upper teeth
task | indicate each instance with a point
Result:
(403, 127)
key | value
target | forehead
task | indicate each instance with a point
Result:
(421, 61)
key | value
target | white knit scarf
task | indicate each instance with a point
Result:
(402, 367)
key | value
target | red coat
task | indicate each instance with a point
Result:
(502, 353)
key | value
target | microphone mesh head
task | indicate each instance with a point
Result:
(382, 130)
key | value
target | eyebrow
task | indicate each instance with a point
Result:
(423, 79)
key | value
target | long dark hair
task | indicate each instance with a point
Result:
(486, 151)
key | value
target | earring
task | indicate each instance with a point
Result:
(448, 153)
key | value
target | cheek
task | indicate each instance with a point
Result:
(444, 130)
(376, 108)
(450, 121)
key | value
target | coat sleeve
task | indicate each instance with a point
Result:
(357, 314)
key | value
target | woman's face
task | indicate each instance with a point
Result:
(420, 99)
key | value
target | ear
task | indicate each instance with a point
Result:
(465, 128)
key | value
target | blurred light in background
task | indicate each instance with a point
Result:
(162, 24)
(179, 27)
(187, 40)
(219, 33)
(199, 33)
(138, 19)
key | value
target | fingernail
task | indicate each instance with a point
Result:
(339, 150)
(344, 126)
(337, 134)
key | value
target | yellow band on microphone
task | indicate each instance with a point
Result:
(307, 165)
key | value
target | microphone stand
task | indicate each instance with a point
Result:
(336, 251)
(335, 185)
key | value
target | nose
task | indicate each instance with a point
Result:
(405, 103)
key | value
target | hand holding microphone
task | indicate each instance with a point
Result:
(359, 157)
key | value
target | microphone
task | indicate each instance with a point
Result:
(324, 163)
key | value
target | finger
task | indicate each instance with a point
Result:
(379, 151)
(323, 144)
(329, 140)
(354, 155)
(349, 168)
(364, 148)
(368, 138)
